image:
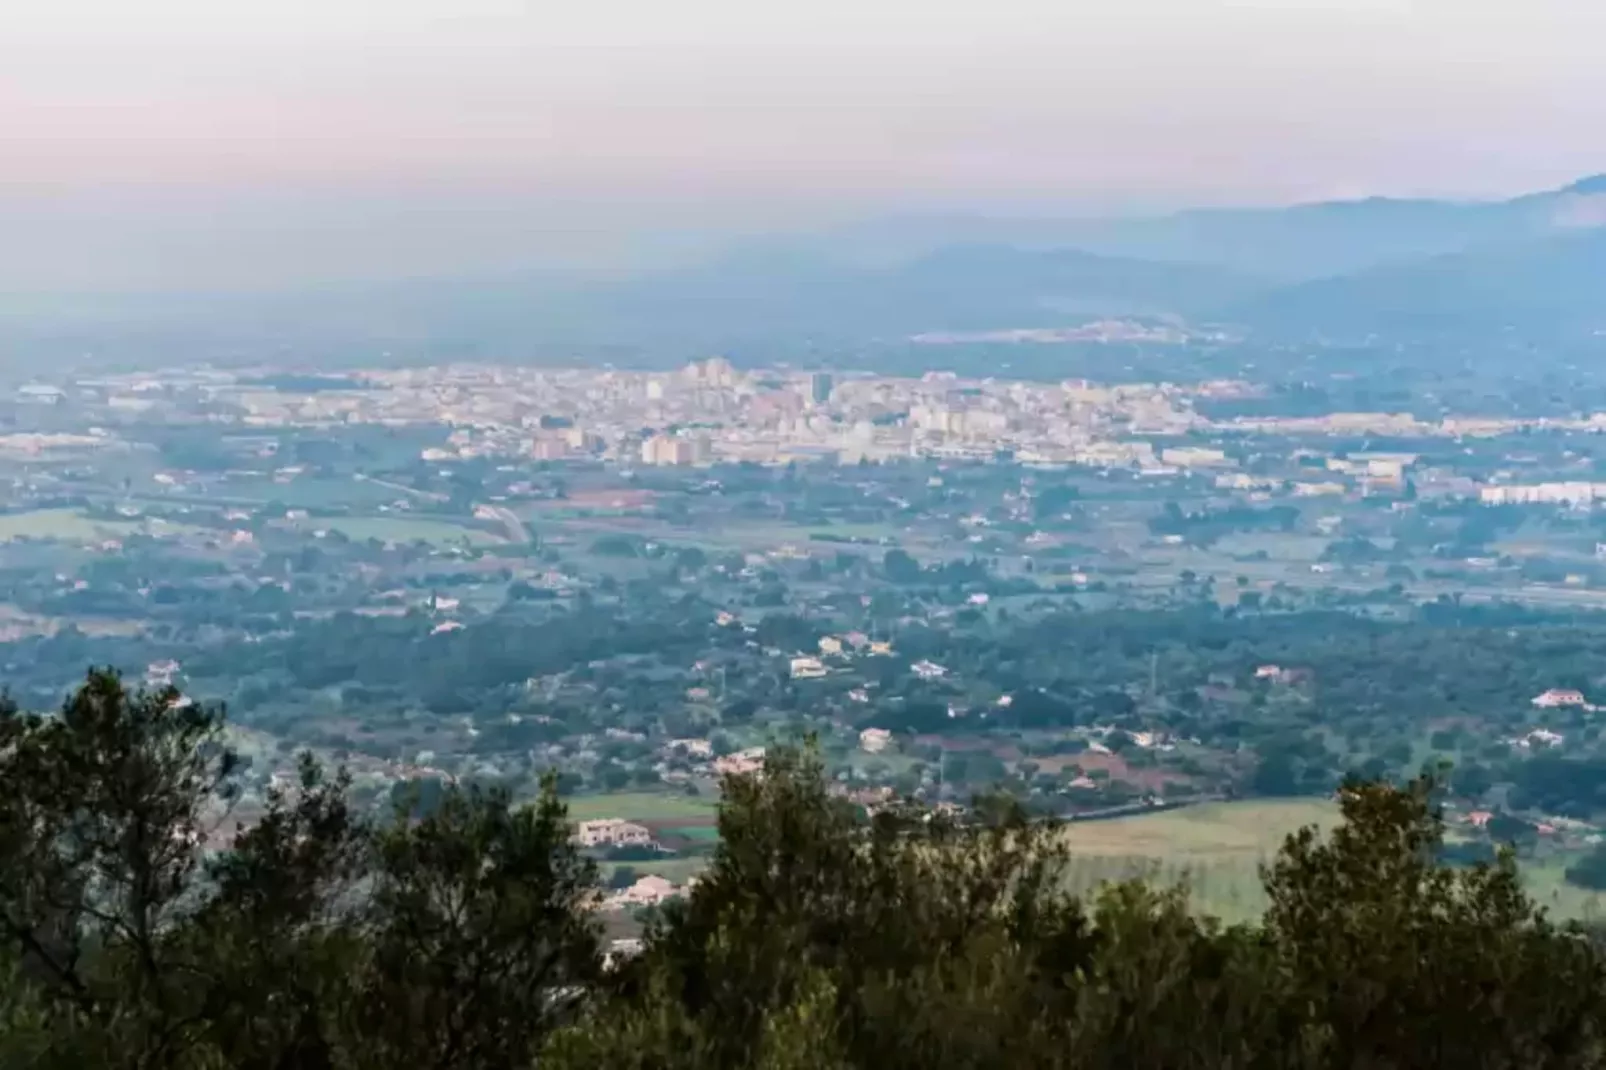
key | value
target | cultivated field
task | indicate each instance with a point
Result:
(70, 525)
(403, 530)
(643, 806)
(1216, 848)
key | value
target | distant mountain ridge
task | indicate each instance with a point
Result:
(1287, 244)
(1552, 285)
(1534, 265)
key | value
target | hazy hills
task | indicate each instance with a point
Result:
(1536, 288)
(955, 287)
(1534, 266)
(1283, 244)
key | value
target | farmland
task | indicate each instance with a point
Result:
(648, 806)
(403, 530)
(71, 525)
(1216, 848)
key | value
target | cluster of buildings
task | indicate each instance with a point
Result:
(836, 648)
(1557, 493)
(708, 412)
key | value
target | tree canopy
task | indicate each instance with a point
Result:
(143, 924)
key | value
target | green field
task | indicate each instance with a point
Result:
(641, 806)
(1217, 848)
(309, 493)
(1208, 832)
(70, 525)
(670, 869)
(702, 833)
(401, 529)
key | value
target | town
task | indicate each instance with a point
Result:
(640, 580)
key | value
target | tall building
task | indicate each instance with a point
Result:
(820, 387)
(668, 449)
(715, 372)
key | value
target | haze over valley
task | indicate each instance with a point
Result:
(803, 537)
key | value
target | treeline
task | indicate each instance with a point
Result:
(459, 936)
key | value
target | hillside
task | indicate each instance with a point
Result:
(1549, 286)
(955, 287)
(1284, 244)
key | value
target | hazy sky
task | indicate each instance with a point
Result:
(172, 142)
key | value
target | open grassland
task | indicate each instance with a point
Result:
(1547, 883)
(678, 870)
(1216, 849)
(399, 529)
(309, 493)
(1207, 832)
(642, 806)
(71, 525)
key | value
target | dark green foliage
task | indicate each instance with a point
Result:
(822, 940)
(900, 567)
(458, 934)
(316, 937)
(1589, 871)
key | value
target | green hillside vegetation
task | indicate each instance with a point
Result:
(140, 930)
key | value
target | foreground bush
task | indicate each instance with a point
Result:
(818, 939)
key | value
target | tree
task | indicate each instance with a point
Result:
(1589, 871)
(820, 937)
(900, 567)
(1390, 958)
(478, 933)
(104, 808)
(316, 938)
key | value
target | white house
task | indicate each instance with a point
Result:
(741, 763)
(648, 891)
(806, 668)
(612, 832)
(693, 748)
(874, 740)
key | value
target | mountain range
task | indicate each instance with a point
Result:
(1534, 266)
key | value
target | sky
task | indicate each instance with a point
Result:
(167, 144)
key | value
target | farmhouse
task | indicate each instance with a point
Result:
(742, 762)
(874, 740)
(612, 832)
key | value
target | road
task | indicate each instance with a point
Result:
(510, 520)
(403, 488)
